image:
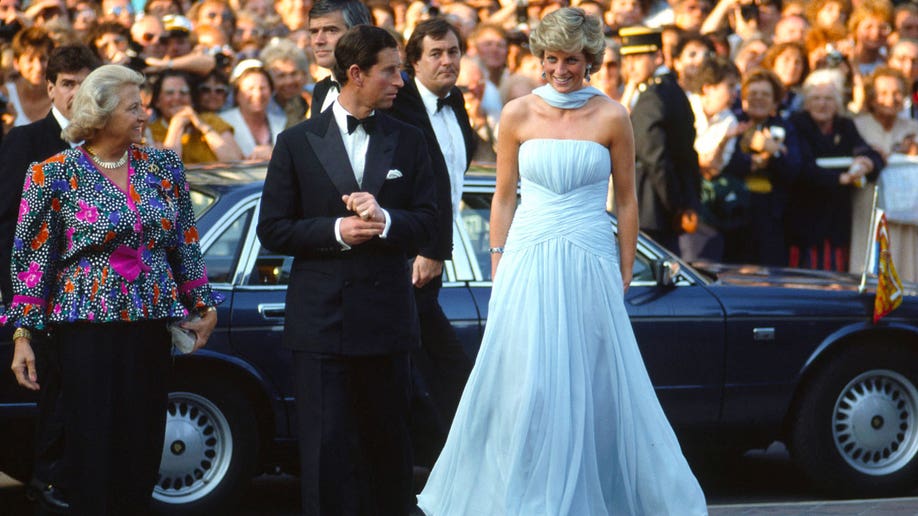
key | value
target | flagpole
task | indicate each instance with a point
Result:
(871, 236)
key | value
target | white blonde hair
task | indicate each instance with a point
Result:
(826, 77)
(97, 99)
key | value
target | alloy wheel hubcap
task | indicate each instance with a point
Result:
(196, 451)
(874, 422)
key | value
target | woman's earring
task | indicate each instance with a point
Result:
(544, 76)
(588, 70)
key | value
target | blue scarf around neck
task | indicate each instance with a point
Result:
(572, 100)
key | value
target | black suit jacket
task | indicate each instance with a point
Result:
(23, 145)
(361, 301)
(666, 164)
(319, 92)
(409, 108)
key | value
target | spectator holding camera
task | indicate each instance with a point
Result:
(767, 157)
(194, 137)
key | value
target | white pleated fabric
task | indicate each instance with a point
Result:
(559, 416)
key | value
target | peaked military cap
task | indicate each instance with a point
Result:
(640, 40)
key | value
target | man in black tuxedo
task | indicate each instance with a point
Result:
(67, 67)
(328, 21)
(431, 102)
(351, 196)
(666, 164)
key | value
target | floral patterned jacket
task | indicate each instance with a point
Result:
(86, 250)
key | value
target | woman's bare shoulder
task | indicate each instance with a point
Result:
(518, 108)
(607, 107)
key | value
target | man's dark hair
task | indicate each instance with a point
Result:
(354, 11)
(70, 59)
(691, 37)
(360, 46)
(436, 28)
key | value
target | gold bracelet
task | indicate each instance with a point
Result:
(206, 310)
(22, 333)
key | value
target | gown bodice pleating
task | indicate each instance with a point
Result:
(559, 417)
(563, 185)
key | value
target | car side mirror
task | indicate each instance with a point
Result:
(665, 271)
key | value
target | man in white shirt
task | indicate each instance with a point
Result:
(328, 21)
(350, 195)
(431, 102)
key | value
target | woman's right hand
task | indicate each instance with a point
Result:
(24, 364)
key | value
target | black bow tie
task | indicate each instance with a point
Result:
(334, 84)
(368, 123)
(446, 101)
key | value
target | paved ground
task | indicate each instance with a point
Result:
(879, 507)
(275, 496)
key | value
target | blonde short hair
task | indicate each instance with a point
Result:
(97, 99)
(569, 30)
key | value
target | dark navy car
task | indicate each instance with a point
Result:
(740, 357)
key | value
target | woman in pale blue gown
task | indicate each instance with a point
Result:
(559, 416)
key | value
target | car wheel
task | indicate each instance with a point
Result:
(856, 427)
(209, 450)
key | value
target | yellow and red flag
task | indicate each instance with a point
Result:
(889, 287)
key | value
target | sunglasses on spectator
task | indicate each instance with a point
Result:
(180, 91)
(207, 89)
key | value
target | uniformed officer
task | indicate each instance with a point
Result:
(666, 164)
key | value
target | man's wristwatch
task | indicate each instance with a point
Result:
(22, 333)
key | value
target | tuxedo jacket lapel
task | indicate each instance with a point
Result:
(379, 155)
(329, 148)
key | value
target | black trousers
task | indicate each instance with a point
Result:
(355, 451)
(444, 367)
(49, 431)
(114, 393)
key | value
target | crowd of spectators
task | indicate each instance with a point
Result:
(774, 85)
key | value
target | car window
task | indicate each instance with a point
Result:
(641, 270)
(201, 201)
(475, 212)
(221, 257)
(270, 269)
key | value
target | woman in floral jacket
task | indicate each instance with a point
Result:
(105, 255)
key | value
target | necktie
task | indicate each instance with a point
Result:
(368, 123)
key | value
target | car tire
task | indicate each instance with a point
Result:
(209, 451)
(855, 430)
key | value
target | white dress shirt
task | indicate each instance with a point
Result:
(356, 145)
(63, 122)
(331, 96)
(449, 137)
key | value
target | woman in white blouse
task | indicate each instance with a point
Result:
(256, 121)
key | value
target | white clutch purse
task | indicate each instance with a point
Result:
(183, 339)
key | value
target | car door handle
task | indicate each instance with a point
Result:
(272, 310)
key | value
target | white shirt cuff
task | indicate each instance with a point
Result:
(385, 231)
(344, 247)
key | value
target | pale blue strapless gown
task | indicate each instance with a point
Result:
(559, 416)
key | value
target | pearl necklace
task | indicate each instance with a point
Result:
(108, 165)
